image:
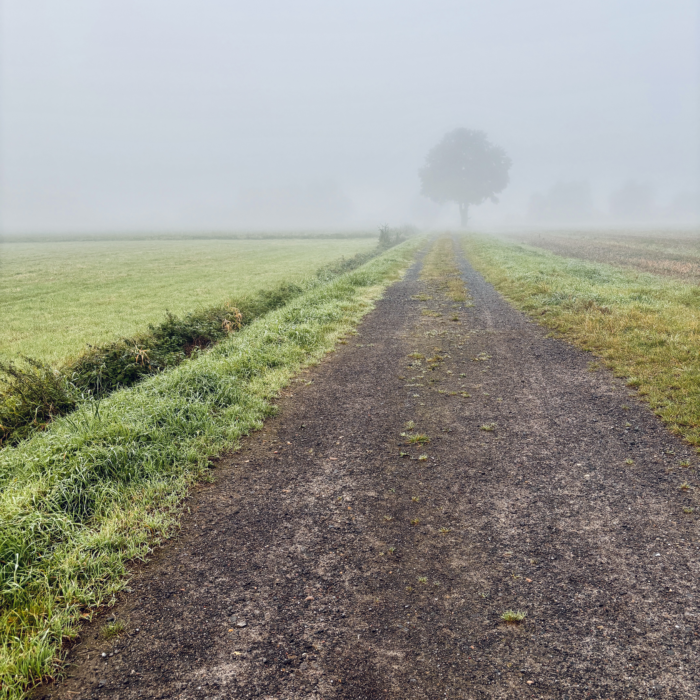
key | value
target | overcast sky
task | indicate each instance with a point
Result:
(220, 114)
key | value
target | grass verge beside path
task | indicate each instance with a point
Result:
(100, 487)
(645, 328)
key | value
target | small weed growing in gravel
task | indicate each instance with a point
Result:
(415, 499)
(436, 584)
(488, 427)
(415, 521)
(625, 407)
(113, 629)
(388, 518)
(444, 530)
(465, 395)
(417, 356)
(423, 458)
(629, 461)
(685, 486)
(513, 617)
(392, 550)
(419, 438)
(422, 579)
(409, 589)
(462, 374)
(685, 463)
(481, 357)
(410, 425)
(404, 454)
(688, 510)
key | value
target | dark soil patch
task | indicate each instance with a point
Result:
(323, 564)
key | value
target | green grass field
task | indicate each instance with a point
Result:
(56, 296)
(644, 327)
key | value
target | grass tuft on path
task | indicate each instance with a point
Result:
(440, 268)
(645, 328)
(101, 486)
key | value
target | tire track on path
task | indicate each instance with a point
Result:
(323, 564)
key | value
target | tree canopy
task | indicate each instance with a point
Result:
(464, 168)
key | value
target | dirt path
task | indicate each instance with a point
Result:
(322, 564)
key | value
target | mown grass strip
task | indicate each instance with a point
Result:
(439, 267)
(99, 487)
(645, 328)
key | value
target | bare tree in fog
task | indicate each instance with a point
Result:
(465, 168)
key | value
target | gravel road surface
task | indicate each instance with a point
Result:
(339, 554)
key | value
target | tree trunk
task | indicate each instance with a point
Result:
(464, 213)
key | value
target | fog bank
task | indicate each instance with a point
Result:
(157, 115)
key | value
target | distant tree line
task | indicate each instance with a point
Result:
(572, 201)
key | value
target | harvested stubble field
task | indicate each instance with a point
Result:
(451, 505)
(672, 253)
(56, 296)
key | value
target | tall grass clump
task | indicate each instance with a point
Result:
(32, 395)
(390, 236)
(100, 486)
(646, 328)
